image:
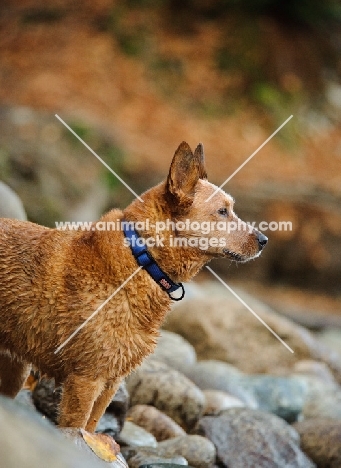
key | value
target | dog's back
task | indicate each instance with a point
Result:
(20, 254)
(24, 249)
(21, 265)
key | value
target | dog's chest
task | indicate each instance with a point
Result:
(124, 332)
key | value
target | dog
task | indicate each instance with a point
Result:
(51, 282)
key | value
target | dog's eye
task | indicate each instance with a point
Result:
(223, 211)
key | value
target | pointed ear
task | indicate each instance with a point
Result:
(199, 154)
(183, 176)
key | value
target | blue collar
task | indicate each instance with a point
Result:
(144, 259)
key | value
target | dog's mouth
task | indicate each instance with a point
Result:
(235, 256)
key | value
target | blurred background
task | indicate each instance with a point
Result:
(135, 78)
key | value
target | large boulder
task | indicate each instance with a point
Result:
(28, 441)
(221, 328)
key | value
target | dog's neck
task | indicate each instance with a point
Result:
(181, 264)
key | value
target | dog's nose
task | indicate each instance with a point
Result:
(262, 240)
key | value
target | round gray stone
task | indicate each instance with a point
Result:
(250, 438)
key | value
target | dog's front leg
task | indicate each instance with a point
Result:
(101, 404)
(13, 373)
(78, 397)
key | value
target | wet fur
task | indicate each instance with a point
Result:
(51, 281)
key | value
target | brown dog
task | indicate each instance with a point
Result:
(51, 281)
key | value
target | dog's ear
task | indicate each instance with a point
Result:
(183, 176)
(199, 154)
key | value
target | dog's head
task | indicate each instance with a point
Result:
(204, 213)
(189, 212)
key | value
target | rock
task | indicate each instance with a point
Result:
(323, 400)
(38, 167)
(11, 206)
(46, 399)
(27, 440)
(331, 337)
(197, 450)
(174, 350)
(119, 405)
(321, 441)
(24, 397)
(137, 457)
(283, 396)
(249, 438)
(109, 425)
(154, 383)
(316, 369)
(217, 401)
(217, 375)
(322, 397)
(154, 421)
(134, 435)
(166, 463)
(221, 328)
(169, 464)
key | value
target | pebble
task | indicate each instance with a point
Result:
(134, 435)
(138, 457)
(218, 375)
(323, 400)
(316, 369)
(109, 425)
(154, 383)
(283, 396)
(321, 441)
(154, 421)
(217, 401)
(174, 350)
(249, 438)
(197, 450)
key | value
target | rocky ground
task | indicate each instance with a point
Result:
(219, 391)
